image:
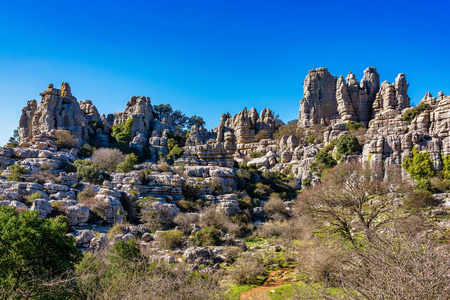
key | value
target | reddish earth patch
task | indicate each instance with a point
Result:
(275, 279)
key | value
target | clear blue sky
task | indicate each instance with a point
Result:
(212, 57)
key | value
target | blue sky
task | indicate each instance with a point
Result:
(212, 57)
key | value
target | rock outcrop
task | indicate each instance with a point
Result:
(58, 109)
(328, 100)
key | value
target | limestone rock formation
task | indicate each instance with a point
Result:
(58, 109)
(328, 100)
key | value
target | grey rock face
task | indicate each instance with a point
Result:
(58, 109)
(328, 100)
(43, 206)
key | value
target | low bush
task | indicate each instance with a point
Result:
(107, 159)
(185, 221)
(65, 139)
(420, 199)
(255, 154)
(276, 208)
(207, 236)
(353, 126)
(170, 239)
(16, 172)
(347, 144)
(30, 198)
(87, 171)
(86, 151)
(127, 165)
(248, 269)
(322, 162)
(411, 113)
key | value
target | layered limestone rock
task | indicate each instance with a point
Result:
(58, 109)
(328, 100)
(247, 124)
(389, 139)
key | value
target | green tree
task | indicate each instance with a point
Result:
(323, 160)
(122, 132)
(33, 253)
(420, 166)
(16, 172)
(196, 120)
(347, 144)
(411, 113)
(127, 165)
(87, 171)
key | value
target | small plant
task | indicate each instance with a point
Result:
(248, 269)
(276, 208)
(107, 159)
(306, 182)
(30, 198)
(170, 239)
(311, 139)
(322, 162)
(255, 154)
(65, 139)
(127, 165)
(164, 167)
(353, 126)
(411, 113)
(16, 172)
(122, 132)
(87, 171)
(86, 150)
(207, 236)
(347, 144)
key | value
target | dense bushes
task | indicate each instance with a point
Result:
(36, 256)
(322, 162)
(347, 144)
(420, 166)
(175, 151)
(65, 139)
(122, 132)
(207, 236)
(107, 159)
(87, 171)
(411, 113)
(16, 172)
(127, 165)
(170, 239)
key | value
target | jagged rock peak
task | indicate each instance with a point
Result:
(58, 109)
(328, 100)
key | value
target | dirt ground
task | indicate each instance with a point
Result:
(275, 279)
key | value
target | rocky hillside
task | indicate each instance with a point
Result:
(250, 151)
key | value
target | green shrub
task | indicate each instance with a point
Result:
(127, 165)
(87, 171)
(311, 139)
(420, 166)
(411, 113)
(86, 150)
(96, 125)
(16, 172)
(65, 139)
(170, 239)
(347, 144)
(322, 162)
(306, 182)
(207, 236)
(123, 252)
(353, 126)
(424, 185)
(35, 255)
(175, 151)
(164, 167)
(122, 132)
(445, 173)
(191, 191)
(30, 198)
(255, 154)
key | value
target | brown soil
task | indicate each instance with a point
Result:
(275, 279)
